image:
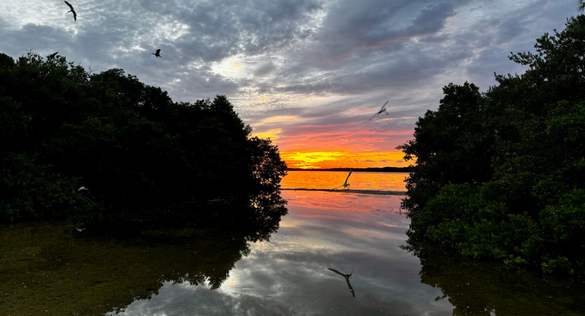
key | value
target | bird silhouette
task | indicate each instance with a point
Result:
(53, 55)
(345, 184)
(382, 110)
(157, 54)
(346, 276)
(72, 11)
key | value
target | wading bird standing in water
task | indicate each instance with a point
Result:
(382, 110)
(346, 276)
(72, 11)
(157, 54)
(345, 184)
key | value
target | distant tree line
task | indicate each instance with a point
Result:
(128, 143)
(501, 175)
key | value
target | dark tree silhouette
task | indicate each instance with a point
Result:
(501, 175)
(63, 128)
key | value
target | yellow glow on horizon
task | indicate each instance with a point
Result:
(340, 159)
(308, 160)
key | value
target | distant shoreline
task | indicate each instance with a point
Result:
(382, 169)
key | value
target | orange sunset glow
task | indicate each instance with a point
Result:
(339, 159)
(340, 145)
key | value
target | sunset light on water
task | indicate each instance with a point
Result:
(294, 158)
(379, 181)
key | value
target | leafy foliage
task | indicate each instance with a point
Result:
(129, 143)
(501, 175)
(476, 287)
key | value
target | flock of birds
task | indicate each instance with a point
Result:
(383, 109)
(157, 55)
(345, 185)
(72, 10)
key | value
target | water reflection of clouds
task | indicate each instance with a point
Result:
(289, 275)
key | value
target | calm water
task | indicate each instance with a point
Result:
(47, 272)
(289, 274)
(384, 181)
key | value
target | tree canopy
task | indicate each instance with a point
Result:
(127, 142)
(501, 175)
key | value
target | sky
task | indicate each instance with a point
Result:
(308, 74)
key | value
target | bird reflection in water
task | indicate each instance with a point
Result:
(346, 276)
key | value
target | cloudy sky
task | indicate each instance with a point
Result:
(309, 74)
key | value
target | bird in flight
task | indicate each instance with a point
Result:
(157, 54)
(346, 276)
(53, 55)
(382, 110)
(72, 11)
(345, 184)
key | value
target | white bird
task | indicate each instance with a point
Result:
(345, 184)
(84, 192)
(382, 110)
(72, 10)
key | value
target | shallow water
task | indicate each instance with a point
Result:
(51, 269)
(289, 275)
(361, 235)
